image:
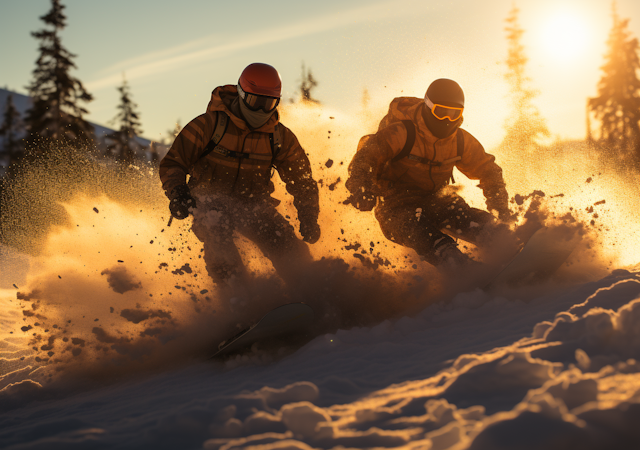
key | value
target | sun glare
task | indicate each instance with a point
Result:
(565, 36)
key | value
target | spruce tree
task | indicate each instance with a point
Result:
(12, 132)
(124, 145)
(366, 99)
(173, 134)
(56, 114)
(306, 85)
(617, 105)
(525, 126)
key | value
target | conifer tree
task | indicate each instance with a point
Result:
(525, 127)
(124, 145)
(307, 84)
(154, 157)
(12, 131)
(366, 99)
(56, 113)
(173, 134)
(617, 105)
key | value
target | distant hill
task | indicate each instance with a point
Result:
(23, 103)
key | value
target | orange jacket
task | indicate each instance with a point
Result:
(372, 163)
(248, 179)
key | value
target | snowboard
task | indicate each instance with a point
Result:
(539, 258)
(278, 324)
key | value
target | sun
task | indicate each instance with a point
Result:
(565, 36)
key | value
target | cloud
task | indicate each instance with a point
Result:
(208, 48)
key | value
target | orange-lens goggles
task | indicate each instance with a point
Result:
(258, 102)
(444, 112)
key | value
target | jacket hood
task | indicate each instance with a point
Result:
(222, 99)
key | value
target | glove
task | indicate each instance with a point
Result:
(181, 202)
(499, 201)
(310, 231)
(506, 216)
(364, 201)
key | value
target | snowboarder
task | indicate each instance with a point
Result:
(403, 170)
(230, 153)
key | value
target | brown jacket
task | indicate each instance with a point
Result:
(372, 163)
(246, 179)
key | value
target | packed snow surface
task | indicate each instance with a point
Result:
(477, 372)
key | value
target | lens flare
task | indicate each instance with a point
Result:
(565, 36)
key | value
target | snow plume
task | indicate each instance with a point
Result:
(111, 289)
(565, 190)
(577, 182)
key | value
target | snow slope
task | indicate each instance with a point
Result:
(106, 325)
(22, 104)
(480, 371)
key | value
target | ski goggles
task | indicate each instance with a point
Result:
(444, 112)
(257, 102)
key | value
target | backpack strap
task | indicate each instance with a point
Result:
(411, 139)
(222, 121)
(408, 145)
(420, 159)
(460, 143)
(275, 141)
(276, 145)
(460, 149)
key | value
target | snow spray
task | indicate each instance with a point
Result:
(111, 290)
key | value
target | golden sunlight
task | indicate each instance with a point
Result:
(565, 36)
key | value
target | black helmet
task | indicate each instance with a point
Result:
(444, 103)
(445, 92)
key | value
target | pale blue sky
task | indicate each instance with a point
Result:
(175, 53)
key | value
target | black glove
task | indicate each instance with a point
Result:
(506, 216)
(310, 230)
(495, 192)
(181, 202)
(364, 201)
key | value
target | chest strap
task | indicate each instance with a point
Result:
(222, 122)
(220, 150)
(422, 160)
(408, 146)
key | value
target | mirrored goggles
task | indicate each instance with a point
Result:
(444, 112)
(258, 102)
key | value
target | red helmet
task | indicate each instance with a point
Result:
(261, 79)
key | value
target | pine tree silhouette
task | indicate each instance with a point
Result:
(56, 114)
(12, 132)
(307, 84)
(124, 146)
(617, 105)
(525, 126)
(366, 99)
(173, 134)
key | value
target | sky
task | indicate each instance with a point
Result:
(174, 53)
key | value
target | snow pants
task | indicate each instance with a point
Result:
(215, 221)
(425, 222)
